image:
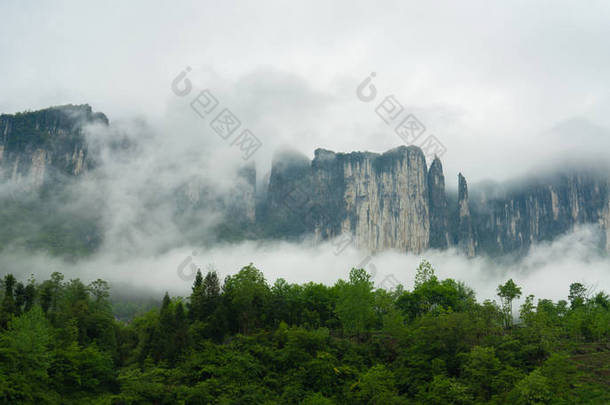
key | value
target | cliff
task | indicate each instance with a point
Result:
(513, 217)
(384, 201)
(392, 201)
(380, 199)
(466, 240)
(37, 147)
(439, 207)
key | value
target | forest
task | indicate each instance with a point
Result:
(242, 340)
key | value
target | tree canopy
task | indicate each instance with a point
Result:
(246, 341)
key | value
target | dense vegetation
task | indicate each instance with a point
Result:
(247, 342)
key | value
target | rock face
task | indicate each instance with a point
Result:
(391, 201)
(382, 200)
(466, 236)
(39, 146)
(386, 200)
(439, 207)
(515, 217)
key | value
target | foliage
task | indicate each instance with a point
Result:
(247, 342)
(507, 293)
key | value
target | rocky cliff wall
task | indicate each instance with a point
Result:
(391, 201)
(380, 199)
(540, 209)
(36, 147)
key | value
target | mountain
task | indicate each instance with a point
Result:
(45, 144)
(392, 201)
(383, 201)
(511, 218)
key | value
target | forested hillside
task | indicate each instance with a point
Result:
(244, 341)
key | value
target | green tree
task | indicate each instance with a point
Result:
(19, 298)
(8, 308)
(165, 331)
(481, 370)
(319, 302)
(578, 295)
(507, 293)
(286, 302)
(180, 338)
(100, 290)
(447, 391)
(355, 303)
(377, 386)
(30, 295)
(25, 359)
(532, 390)
(424, 273)
(196, 300)
(211, 292)
(247, 294)
(51, 293)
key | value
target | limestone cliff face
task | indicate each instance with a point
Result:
(439, 207)
(385, 201)
(466, 234)
(382, 200)
(391, 201)
(38, 146)
(515, 218)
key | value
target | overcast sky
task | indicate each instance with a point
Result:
(504, 86)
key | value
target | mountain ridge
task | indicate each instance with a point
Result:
(391, 200)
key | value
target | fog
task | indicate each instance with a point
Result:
(546, 272)
(509, 89)
(143, 167)
(503, 86)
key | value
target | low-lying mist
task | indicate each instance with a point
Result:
(546, 272)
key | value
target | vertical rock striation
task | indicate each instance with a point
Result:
(439, 207)
(466, 236)
(391, 201)
(386, 201)
(36, 147)
(540, 209)
(382, 200)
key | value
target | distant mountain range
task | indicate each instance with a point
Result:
(383, 201)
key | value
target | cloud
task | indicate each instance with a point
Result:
(489, 80)
(546, 272)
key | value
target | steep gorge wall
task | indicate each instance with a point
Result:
(439, 207)
(386, 201)
(540, 210)
(391, 201)
(466, 238)
(382, 200)
(36, 147)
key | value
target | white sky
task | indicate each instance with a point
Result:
(504, 85)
